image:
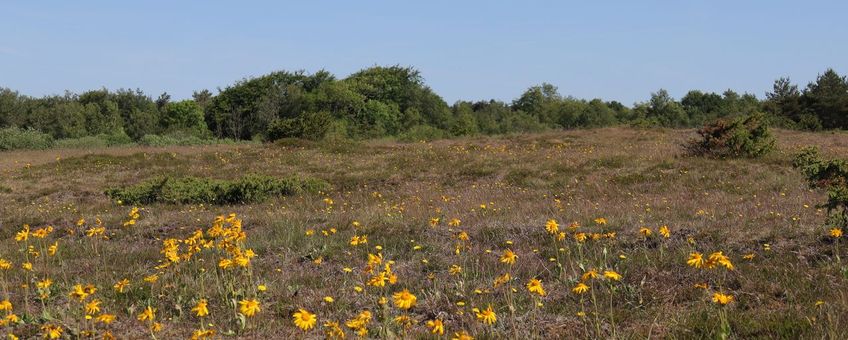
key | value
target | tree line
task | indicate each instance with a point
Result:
(394, 101)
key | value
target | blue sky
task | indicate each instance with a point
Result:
(616, 50)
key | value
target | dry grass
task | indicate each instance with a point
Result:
(632, 178)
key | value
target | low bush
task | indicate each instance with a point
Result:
(743, 136)
(828, 174)
(101, 140)
(422, 133)
(251, 188)
(14, 138)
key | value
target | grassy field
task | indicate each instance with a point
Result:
(415, 204)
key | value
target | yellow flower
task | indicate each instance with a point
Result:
(92, 307)
(455, 222)
(404, 299)
(27, 266)
(5, 264)
(5, 305)
(434, 221)
(249, 307)
(200, 334)
(404, 321)
(304, 320)
(11, 318)
(462, 335)
(106, 318)
(720, 259)
(360, 323)
(22, 235)
(836, 232)
(329, 299)
(53, 248)
(486, 316)
(261, 288)
(148, 314)
(151, 279)
(358, 239)
(722, 299)
(665, 232)
(52, 331)
(552, 227)
(612, 275)
(333, 330)
(580, 237)
(508, 257)
(645, 231)
(535, 286)
(121, 285)
(580, 288)
(696, 260)
(502, 279)
(79, 292)
(436, 326)
(601, 221)
(748, 257)
(589, 275)
(455, 269)
(44, 284)
(200, 309)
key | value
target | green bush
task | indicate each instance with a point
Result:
(251, 188)
(828, 174)
(183, 139)
(743, 136)
(422, 133)
(82, 142)
(14, 138)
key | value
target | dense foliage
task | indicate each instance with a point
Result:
(743, 136)
(393, 101)
(251, 188)
(831, 175)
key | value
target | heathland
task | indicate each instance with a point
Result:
(598, 233)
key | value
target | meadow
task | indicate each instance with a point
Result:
(599, 233)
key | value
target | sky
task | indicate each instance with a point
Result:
(469, 50)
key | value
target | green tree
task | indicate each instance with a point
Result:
(185, 115)
(663, 109)
(827, 98)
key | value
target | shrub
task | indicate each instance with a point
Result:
(743, 136)
(828, 174)
(422, 133)
(82, 142)
(251, 188)
(14, 138)
(183, 139)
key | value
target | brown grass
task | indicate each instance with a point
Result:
(631, 177)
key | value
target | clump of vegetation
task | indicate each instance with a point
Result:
(14, 138)
(98, 141)
(744, 136)
(251, 188)
(828, 174)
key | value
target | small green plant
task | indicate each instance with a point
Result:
(828, 174)
(743, 136)
(251, 188)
